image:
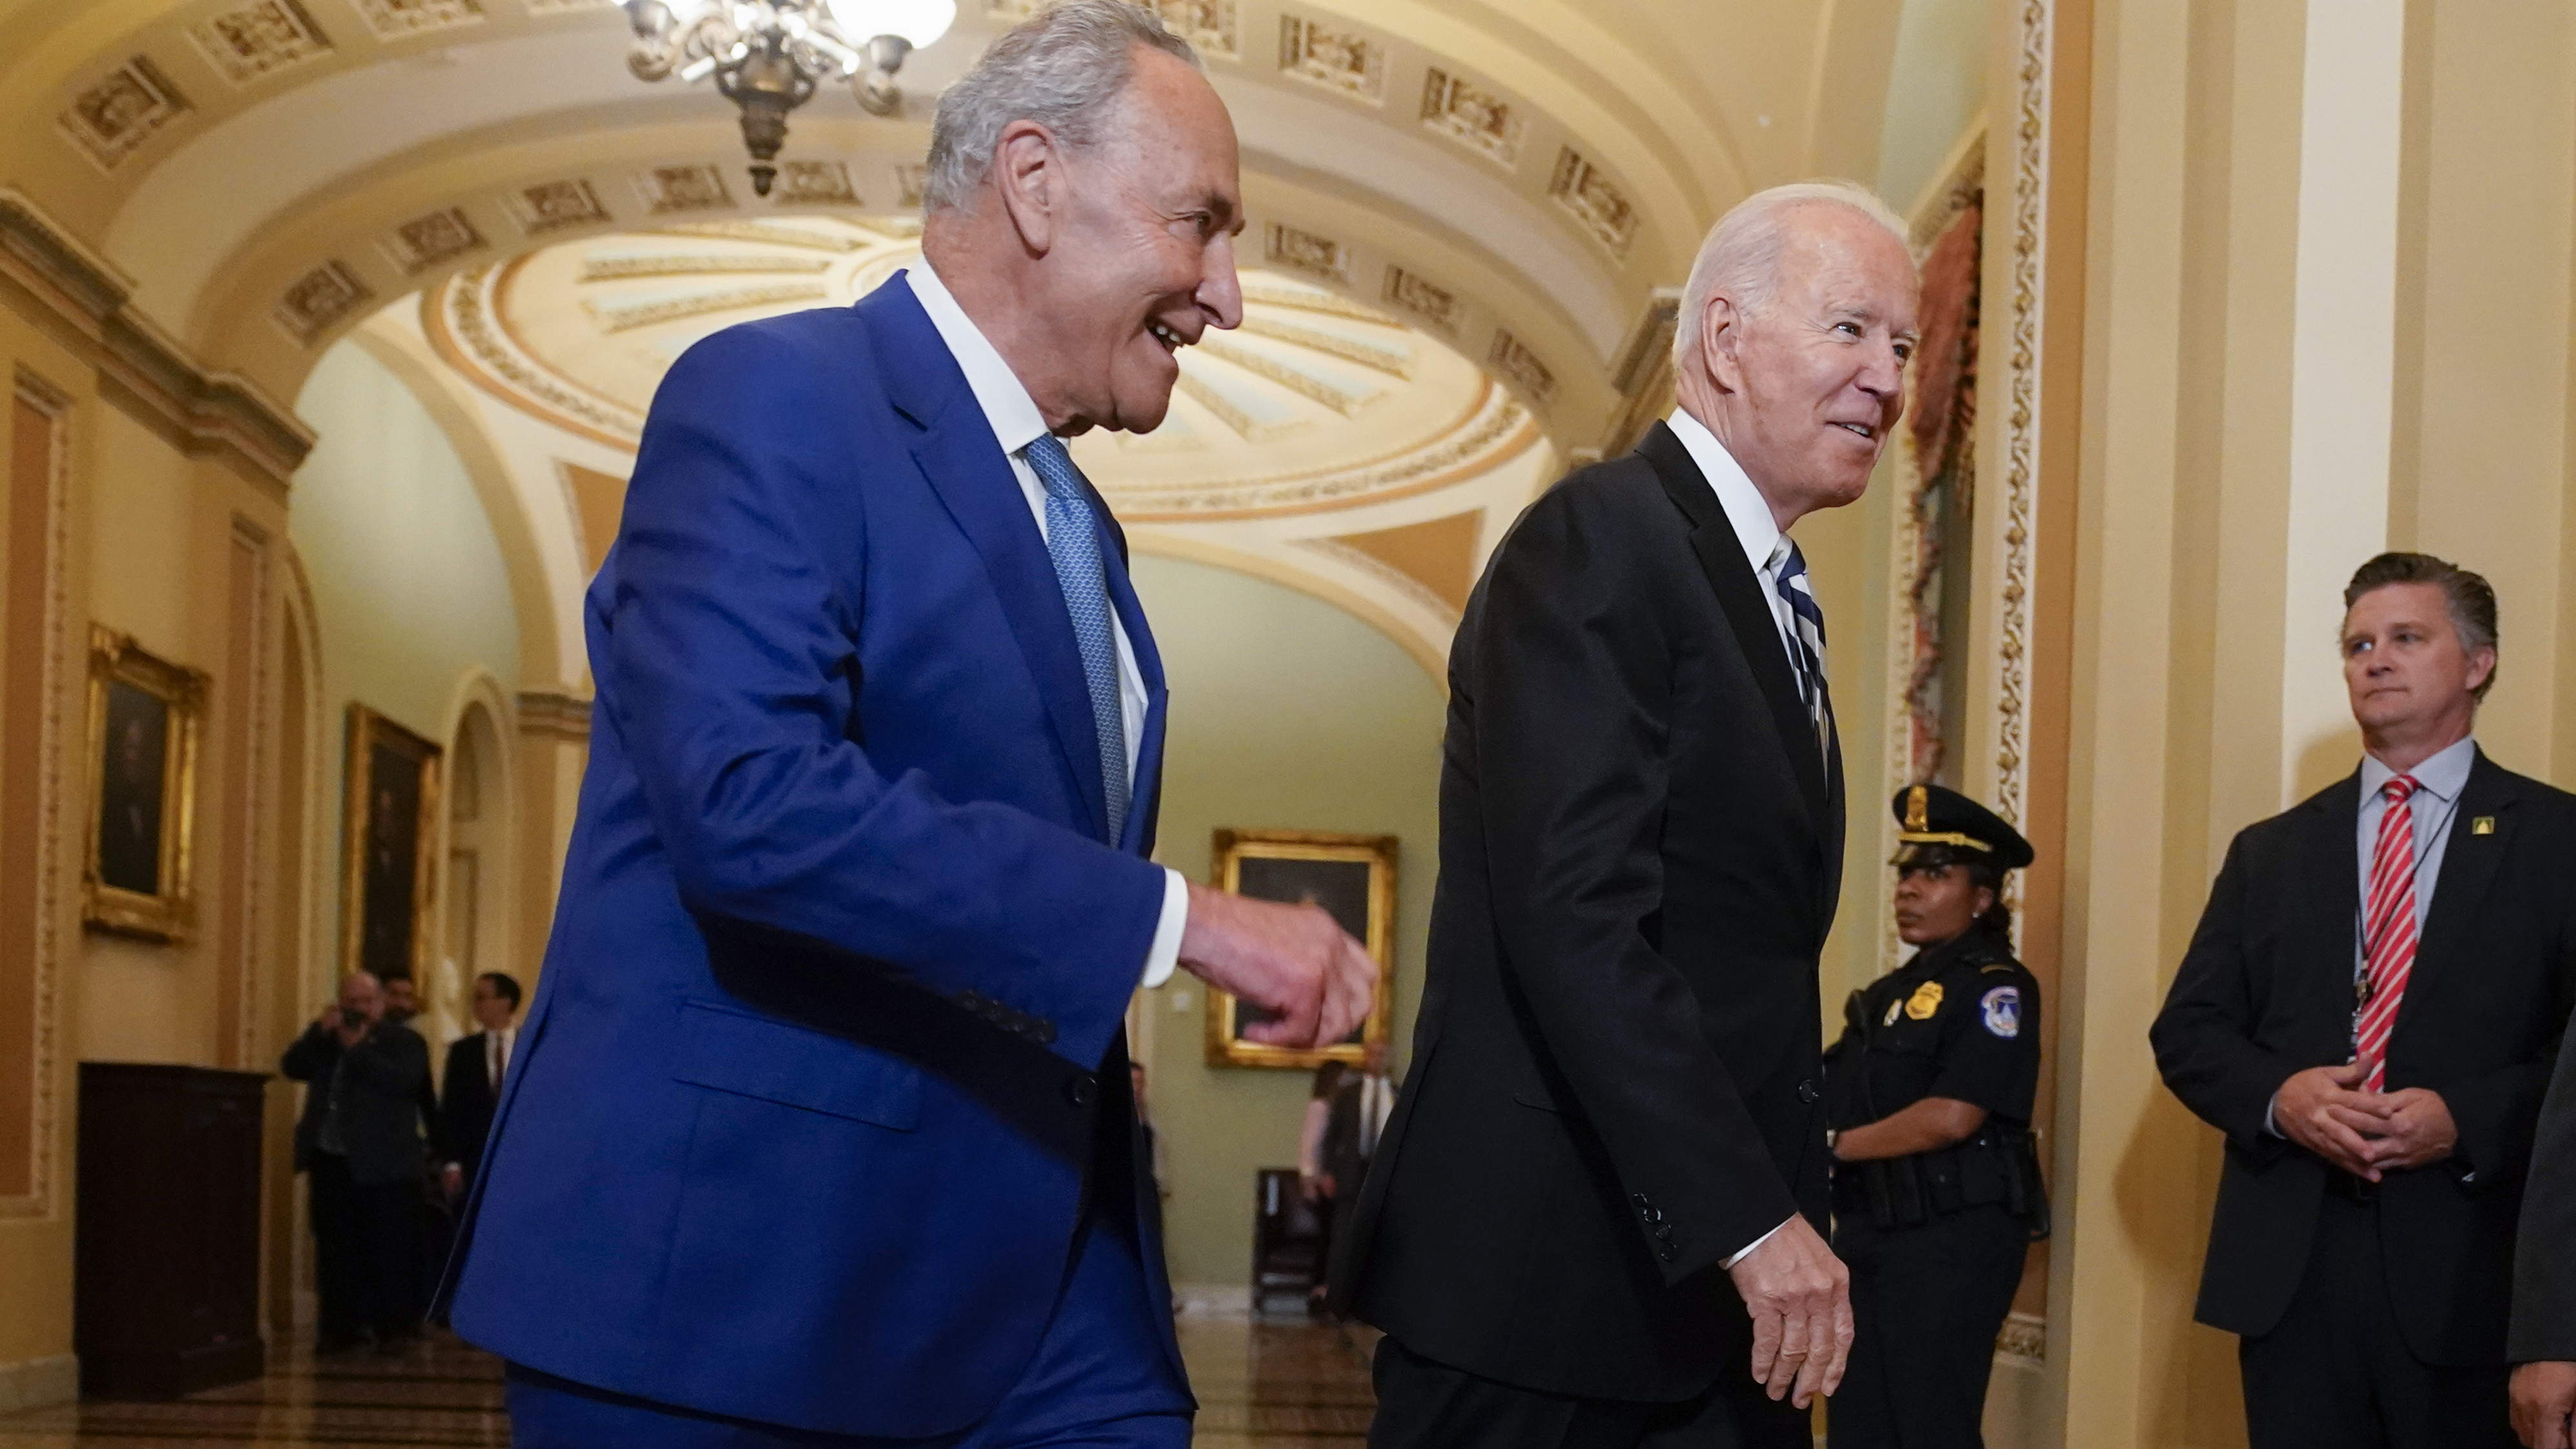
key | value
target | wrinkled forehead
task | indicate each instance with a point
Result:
(2390, 606)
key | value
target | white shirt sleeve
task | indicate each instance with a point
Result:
(1747, 1250)
(1166, 950)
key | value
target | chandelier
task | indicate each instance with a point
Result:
(769, 56)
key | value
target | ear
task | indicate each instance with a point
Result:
(2482, 663)
(1985, 900)
(1028, 171)
(1721, 337)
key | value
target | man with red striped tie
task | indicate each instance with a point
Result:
(2369, 1011)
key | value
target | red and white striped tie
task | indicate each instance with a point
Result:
(2388, 931)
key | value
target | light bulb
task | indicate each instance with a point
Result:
(921, 22)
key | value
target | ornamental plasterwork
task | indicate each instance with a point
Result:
(393, 19)
(320, 300)
(668, 189)
(555, 205)
(426, 241)
(1427, 301)
(1306, 252)
(1474, 117)
(1337, 60)
(112, 119)
(1319, 402)
(1513, 359)
(815, 183)
(1591, 198)
(255, 40)
(1208, 25)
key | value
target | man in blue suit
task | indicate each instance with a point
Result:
(819, 1130)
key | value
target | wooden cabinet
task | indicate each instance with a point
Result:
(166, 1264)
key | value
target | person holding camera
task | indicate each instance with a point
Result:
(359, 1146)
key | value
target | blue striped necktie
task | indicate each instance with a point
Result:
(1788, 569)
(1073, 541)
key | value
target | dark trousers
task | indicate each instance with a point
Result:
(366, 1252)
(1427, 1405)
(2336, 1373)
(1927, 1302)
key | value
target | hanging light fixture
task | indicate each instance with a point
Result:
(769, 56)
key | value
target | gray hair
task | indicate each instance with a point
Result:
(1061, 68)
(1741, 256)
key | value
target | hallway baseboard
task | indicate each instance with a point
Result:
(39, 1383)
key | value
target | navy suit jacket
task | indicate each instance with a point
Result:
(753, 1156)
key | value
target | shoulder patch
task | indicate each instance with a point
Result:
(1925, 1001)
(2001, 1009)
(1994, 967)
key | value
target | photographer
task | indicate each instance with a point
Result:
(359, 1144)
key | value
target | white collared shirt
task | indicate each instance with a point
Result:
(1014, 418)
(1748, 511)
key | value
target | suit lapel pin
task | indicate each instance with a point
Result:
(2483, 825)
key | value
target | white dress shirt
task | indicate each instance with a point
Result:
(1013, 415)
(1759, 532)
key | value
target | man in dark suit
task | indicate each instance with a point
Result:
(2369, 1011)
(819, 1129)
(476, 1067)
(1602, 1195)
(359, 1145)
(2542, 1341)
(1353, 1122)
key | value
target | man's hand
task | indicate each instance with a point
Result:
(349, 1035)
(2322, 1110)
(2544, 1398)
(2415, 1129)
(1293, 960)
(1799, 1294)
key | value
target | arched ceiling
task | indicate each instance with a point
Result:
(1516, 175)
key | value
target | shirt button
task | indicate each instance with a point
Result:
(1808, 1091)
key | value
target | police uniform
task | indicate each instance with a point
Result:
(1935, 1241)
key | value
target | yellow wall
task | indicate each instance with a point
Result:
(1286, 714)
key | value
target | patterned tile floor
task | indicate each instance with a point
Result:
(1261, 1385)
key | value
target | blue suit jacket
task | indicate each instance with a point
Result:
(842, 775)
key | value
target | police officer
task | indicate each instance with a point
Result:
(1937, 1192)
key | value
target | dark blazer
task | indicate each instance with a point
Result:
(2266, 990)
(2544, 1269)
(1340, 1149)
(466, 1102)
(380, 1100)
(800, 1126)
(1614, 1074)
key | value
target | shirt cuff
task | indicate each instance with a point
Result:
(1166, 951)
(1747, 1250)
(2270, 1127)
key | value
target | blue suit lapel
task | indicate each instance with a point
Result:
(965, 464)
(1139, 837)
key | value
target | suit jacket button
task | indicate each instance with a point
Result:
(1808, 1091)
(1653, 1215)
(1664, 1232)
(1080, 1089)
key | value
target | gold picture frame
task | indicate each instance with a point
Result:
(146, 727)
(388, 855)
(1353, 877)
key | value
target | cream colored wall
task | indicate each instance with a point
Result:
(410, 592)
(1935, 93)
(1286, 714)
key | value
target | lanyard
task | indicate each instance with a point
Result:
(2361, 983)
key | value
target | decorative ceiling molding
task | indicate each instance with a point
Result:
(427, 241)
(321, 300)
(556, 206)
(1474, 117)
(1594, 200)
(394, 19)
(1426, 302)
(1306, 252)
(668, 189)
(258, 40)
(1513, 359)
(815, 183)
(1341, 61)
(207, 412)
(113, 118)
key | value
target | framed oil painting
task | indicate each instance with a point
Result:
(146, 717)
(1353, 878)
(388, 832)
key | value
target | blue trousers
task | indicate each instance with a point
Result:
(1099, 1380)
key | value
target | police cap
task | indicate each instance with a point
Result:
(1944, 827)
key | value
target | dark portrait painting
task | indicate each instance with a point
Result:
(392, 804)
(1353, 878)
(145, 715)
(132, 779)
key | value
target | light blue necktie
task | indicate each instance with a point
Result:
(1807, 637)
(1073, 541)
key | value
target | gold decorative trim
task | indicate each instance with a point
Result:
(367, 731)
(2023, 1343)
(2021, 424)
(1303, 299)
(211, 412)
(768, 233)
(613, 269)
(553, 715)
(45, 1125)
(613, 317)
(1377, 357)
(1231, 849)
(1395, 580)
(457, 317)
(167, 910)
(1305, 385)
(1252, 430)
